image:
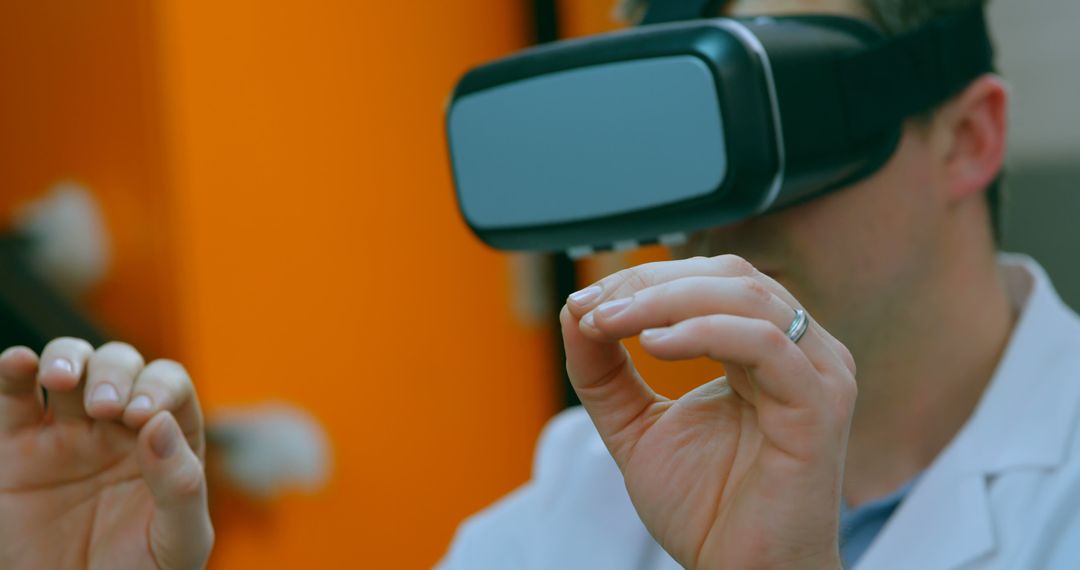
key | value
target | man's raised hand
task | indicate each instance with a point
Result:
(100, 461)
(744, 471)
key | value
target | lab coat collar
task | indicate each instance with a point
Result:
(1029, 389)
(1023, 421)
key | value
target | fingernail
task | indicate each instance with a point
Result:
(588, 320)
(612, 308)
(163, 441)
(653, 335)
(586, 295)
(105, 392)
(141, 403)
(63, 365)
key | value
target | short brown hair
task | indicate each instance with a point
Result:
(895, 17)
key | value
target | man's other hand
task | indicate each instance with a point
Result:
(100, 461)
(745, 471)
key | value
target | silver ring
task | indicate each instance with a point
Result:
(798, 326)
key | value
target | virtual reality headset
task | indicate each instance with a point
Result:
(683, 123)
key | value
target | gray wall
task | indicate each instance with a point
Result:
(1039, 55)
(1042, 218)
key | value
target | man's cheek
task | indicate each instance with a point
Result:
(696, 244)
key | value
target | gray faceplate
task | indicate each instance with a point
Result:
(588, 143)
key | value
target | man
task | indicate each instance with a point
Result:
(961, 452)
(966, 398)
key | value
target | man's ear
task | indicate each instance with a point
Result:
(976, 125)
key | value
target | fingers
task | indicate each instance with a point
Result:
(634, 280)
(618, 400)
(181, 534)
(668, 303)
(18, 366)
(117, 386)
(62, 365)
(164, 385)
(629, 281)
(776, 365)
(773, 370)
(111, 372)
(20, 399)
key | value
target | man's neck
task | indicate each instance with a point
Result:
(922, 371)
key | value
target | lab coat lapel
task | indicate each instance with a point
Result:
(944, 523)
(947, 519)
(590, 522)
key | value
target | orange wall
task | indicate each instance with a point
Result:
(320, 260)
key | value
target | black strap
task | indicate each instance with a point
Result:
(914, 72)
(660, 11)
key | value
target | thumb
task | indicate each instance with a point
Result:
(181, 534)
(617, 398)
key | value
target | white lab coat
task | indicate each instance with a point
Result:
(1005, 493)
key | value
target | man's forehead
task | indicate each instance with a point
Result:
(738, 8)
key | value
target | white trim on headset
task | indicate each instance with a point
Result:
(738, 28)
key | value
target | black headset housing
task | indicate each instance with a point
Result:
(804, 105)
